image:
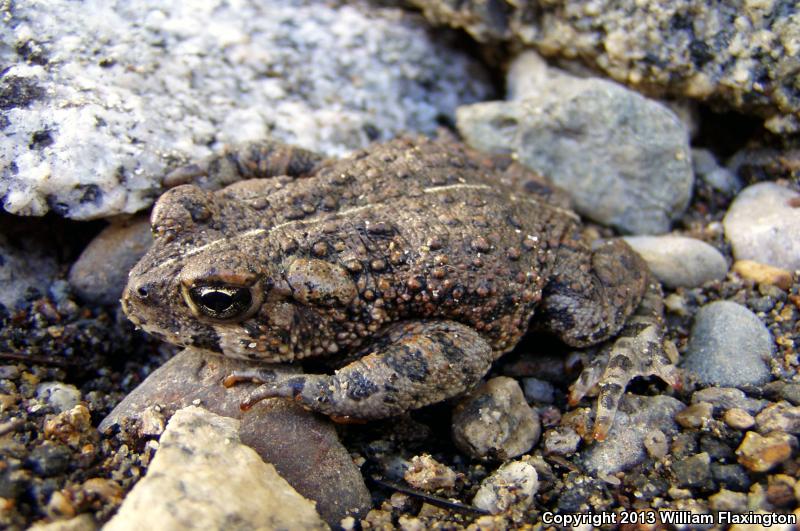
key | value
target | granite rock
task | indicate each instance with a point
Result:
(100, 99)
(203, 477)
(744, 54)
(624, 159)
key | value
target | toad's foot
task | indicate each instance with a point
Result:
(411, 365)
(640, 350)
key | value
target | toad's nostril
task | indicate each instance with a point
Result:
(143, 291)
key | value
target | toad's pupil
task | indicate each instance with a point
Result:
(221, 302)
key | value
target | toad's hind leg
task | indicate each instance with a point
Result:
(594, 297)
(411, 365)
(639, 350)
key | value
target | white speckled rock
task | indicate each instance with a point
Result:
(729, 346)
(763, 225)
(202, 477)
(625, 159)
(100, 98)
(514, 483)
(679, 261)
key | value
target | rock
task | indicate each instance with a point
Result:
(26, 268)
(203, 477)
(83, 522)
(537, 390)
(724, 398)
(779, 417)
(305, 450)
(49, 459)
(763, 225)
(695, 416)
(101, 272)
(732, 477)
(624, 448)
(759, 454)
(686, 49)
(495, 421)
(678, 261)
(694, 472)
(514, 483)
(427, 474)
(729, 346)
(624, 159)
(763, 273)
(562, 440)
(61, 396)
(784, 390)
(739, 419)
(728, 500)
(303, 447)
(99, 104)
(706, 168)
(655, 442)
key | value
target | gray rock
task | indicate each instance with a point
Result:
(724, 398)
(729, 346)
(103, 101)
(720, 178)
(784, 390)
(24, 266)
(61, 396)
(679, 261)
(306, 451)
(694, 472)
(302, 446)
(763, 225)
(203, 477)
(562, 440)
(514, 483)
(495, 421)
(780, 416)
(101, 271)
(624, 159)
(625, 446)
(686, 48)
(537, 390)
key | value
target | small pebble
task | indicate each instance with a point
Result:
(561, 441)
(656, 444)
(763, 273)
(738, 419)
(717, 177)
(760, 454)
(537, 390)
(729, 346)
(694, 472)
(724, 398)
(495, 421)
(513, 484)
(695, 416)
(732, 476)
(61, 396)
(679, 261)
(779, 417)
(728, 500)
(763, 224)
(426, 473)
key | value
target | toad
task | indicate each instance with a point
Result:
(414, 264)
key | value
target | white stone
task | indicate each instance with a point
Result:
(202, 477)
(679, 261)
(514, 483)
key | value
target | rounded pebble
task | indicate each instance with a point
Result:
(781, 416)
(656, 444)
(513, 484)
(428, 474)
(763, 225)
(695, 416)
(760, 454)
(561, 441)
(763, 273)
(495, 421)
(739, 419)
(537, 390)
(729, 346)
(679, 261)
(61, 396)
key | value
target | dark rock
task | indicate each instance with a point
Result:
(732, 477)
(694, 472)
(49, 459)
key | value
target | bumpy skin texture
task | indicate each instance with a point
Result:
(416, 263)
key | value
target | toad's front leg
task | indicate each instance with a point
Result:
(411, 365)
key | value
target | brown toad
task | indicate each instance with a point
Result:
(416, 263)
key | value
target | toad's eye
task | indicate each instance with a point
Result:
(221, 302)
